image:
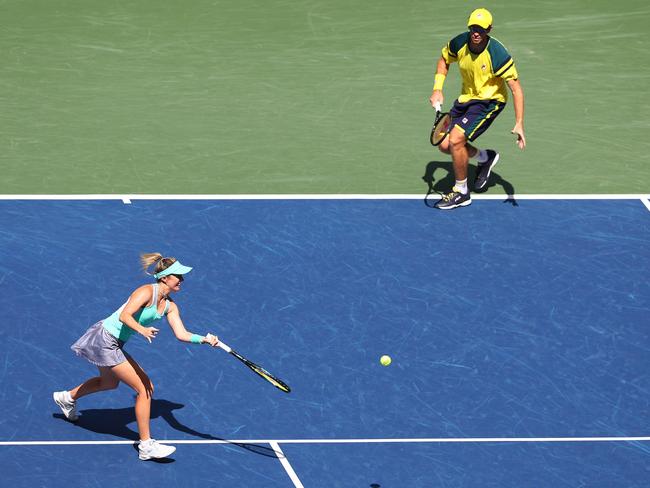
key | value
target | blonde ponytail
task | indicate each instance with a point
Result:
(148, 259)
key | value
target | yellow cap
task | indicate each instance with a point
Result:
(481, 17)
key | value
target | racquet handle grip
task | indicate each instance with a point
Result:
(225, 347)
(438, 107)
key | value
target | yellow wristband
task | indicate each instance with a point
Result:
(438, 81)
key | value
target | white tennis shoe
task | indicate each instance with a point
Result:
(67, 405)
(152, 449)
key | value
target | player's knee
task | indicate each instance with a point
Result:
(457, 139)
(104, 383)
(144, 394)
(110, 384)
(144, 388)
(147, 388)
(444, 146)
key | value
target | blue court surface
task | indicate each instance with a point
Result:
(520, 338)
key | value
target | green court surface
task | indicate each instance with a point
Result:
(307, 96)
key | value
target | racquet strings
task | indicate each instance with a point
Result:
(441, 128)
(270, 378)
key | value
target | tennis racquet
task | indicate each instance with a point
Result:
(440, 127)
(279, 384)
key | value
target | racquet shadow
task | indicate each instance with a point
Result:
(444, 184)
(115, 422)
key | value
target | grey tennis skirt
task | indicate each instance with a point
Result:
(99, 347)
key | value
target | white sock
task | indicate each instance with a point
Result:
(68, 397)
(481, 156)
(462, 186)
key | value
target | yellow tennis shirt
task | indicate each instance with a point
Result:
(484, 75)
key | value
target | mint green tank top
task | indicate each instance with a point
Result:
(144, 316)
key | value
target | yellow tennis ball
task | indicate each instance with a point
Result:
(385, 360)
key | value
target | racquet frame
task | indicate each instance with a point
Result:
(441, 118)
(279, 384)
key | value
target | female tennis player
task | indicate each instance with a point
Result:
(103, 343)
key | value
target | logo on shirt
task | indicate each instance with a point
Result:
(464, 120)
(483, 67)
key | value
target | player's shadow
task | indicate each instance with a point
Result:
(115, 421)
(444, 184)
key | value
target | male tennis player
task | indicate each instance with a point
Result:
(485, 68)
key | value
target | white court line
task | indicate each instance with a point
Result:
(287, 466)
(646, 202)
(441, 440)
(387, 196)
